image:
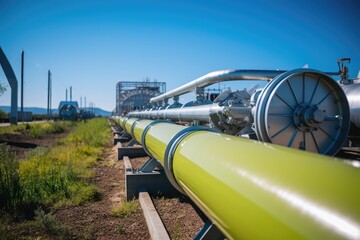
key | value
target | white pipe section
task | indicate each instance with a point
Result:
(218, 76)
(222, 76)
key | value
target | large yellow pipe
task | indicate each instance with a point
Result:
(122, 121)
(256, 190)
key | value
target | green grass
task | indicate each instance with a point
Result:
(176, 234)
(37, 130)
(56, 176)
(120, 230)
(125, 209)
(11, 191)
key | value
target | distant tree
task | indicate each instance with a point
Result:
(2, 88)
(3, 115)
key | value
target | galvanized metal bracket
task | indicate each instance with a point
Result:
(132, 143)
(150, 165)
(155, 182)
(209, 232)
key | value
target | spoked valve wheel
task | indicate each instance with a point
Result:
(303, 109)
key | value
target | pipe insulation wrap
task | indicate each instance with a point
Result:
(257, 190)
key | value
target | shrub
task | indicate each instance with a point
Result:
(40, 130)
(3, 115)
(51, 226)
(37, 130)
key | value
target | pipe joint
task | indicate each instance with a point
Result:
(123, 121)
(133, 127)
(171, 148)
(143, 143)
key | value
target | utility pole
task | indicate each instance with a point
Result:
(22, 85)
(49, 97)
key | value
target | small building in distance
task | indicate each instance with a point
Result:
(68, 110)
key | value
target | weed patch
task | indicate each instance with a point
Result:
(51, 226)
(11, 191)
(176, 234)
(55, 176)
(120, 229)
(125, 209)
(37, 130)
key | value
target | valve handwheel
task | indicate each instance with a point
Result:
(303, 109)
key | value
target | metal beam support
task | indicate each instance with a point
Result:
(256, 190)
(10, 75)
(209, 232)
(150, 165)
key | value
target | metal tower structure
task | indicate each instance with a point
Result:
(10, 75)
(136, 95)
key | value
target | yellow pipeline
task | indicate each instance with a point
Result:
(158, 137)
(122, 122)
(140, 126)
(128, 123)
(256, 190)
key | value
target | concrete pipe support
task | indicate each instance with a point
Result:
(257, 190)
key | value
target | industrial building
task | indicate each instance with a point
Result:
(132, 96)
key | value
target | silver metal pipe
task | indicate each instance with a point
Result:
(219, 76)
(199, 113)
(188, 114)
(352, 92)
(222, 76)
(237, 112)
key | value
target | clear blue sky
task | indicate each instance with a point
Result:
(91, 45)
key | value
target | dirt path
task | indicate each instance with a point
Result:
(94, 220)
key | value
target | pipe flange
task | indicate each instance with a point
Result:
(124, 122)
(133, 127)
(303, 109)
(146, 129)
(171, 148)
